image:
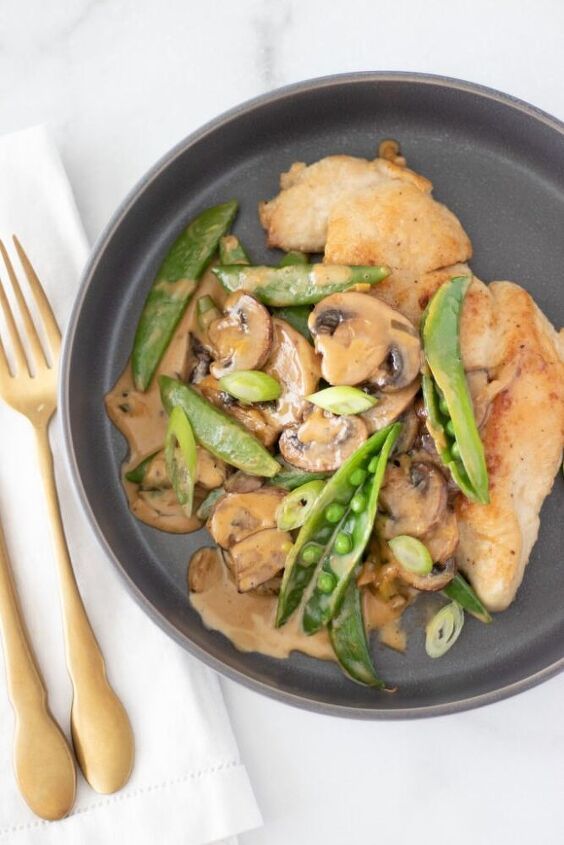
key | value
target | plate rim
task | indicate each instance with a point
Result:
(303, 701)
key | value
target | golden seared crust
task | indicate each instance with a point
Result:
(410, 292)
(523, 438)
(397, 224)
(297, 217)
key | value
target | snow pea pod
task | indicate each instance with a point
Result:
(289, 477)
(296, 315)
(221, 435)
(296, 284)
(460, 590)
(173, 287)
(349, 640)
(138, 473)
(292, 258)
(231, 251)
(450, 414)
(346, 507)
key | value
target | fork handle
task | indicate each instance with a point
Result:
(101, 731)
(42, 758)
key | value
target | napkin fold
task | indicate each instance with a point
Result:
(188, 785)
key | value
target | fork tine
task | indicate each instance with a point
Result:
(20, 360)
(49, 321)
(37, 353)
(4, 366)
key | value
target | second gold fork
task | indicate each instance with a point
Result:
(101, 730)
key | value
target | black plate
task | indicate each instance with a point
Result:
(499, 165)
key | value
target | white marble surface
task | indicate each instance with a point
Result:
(120, 81)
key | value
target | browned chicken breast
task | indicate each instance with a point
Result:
(397, 224)
(523, 435)
(297, 218)
(370, 212)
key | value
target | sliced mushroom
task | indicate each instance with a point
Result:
(238, 515)
(199, 359)
(413, 498)
(408, 434)
(240, 482)
(258, 558)
(442, 540)
(242, 338)
(295, 365)
(440, 575)
(160, 508)
(203, 569)
(323, 441)
(362, 339)
(211, 472)
(389, 406)
(250, 416)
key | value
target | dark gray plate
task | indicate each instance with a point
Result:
(499, 165)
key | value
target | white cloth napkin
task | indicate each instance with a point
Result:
(188, 785)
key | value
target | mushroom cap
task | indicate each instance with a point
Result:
(295, 365)
(211, 472)
(389, 406)
(362, 339)
(258, 558)
(413, 498)
(442, 540)
(440, 575)
(238, 515)
(203, 570)
(242, 337)
(323, 441)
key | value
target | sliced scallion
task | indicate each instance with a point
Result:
(295, 508)
(444, 629)
(250, 386)
(342, 400)
(411, 554)
(181, 457)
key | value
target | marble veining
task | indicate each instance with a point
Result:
(272, 23)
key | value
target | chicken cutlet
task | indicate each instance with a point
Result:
(370, 212)
(522, 436)
(297, 217)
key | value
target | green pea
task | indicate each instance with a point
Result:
(343, 543)
(326, 582)
(373, 465)
(358, 503)
(357, 477)
(334, 512)
(455, 451)
(312, 553)
(444, 407)
(449, 427)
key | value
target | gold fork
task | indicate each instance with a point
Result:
(101, 731)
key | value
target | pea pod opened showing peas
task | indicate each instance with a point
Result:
(450, 415)
(335, 534)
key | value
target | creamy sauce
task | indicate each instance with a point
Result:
(142, 421)
(247, 619)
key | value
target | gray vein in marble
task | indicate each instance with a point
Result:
(69, 29)
(271, 24)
